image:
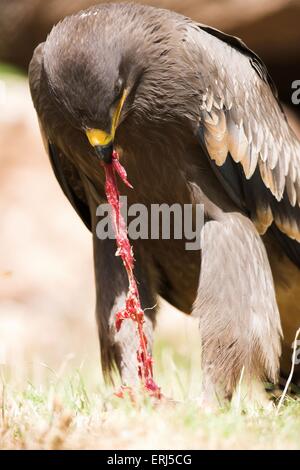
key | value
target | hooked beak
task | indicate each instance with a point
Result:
(102, 141)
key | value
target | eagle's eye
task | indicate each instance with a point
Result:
(118, 88)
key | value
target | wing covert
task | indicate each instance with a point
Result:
(242, 121)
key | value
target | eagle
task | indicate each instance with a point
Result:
(195, 118)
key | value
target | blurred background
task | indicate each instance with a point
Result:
(46, 274)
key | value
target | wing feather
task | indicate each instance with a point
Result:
(241, 119)
(65, 172)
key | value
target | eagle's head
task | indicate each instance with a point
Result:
(102, 63)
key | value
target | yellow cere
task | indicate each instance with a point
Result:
(100, 137)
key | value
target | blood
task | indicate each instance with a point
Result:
(132, 309)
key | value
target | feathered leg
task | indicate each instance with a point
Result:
(236, 306)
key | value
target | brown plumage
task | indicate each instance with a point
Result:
(200, 122)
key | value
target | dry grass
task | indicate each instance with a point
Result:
(70, 408)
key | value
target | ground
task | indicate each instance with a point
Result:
(52, 392)
(71, 408)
